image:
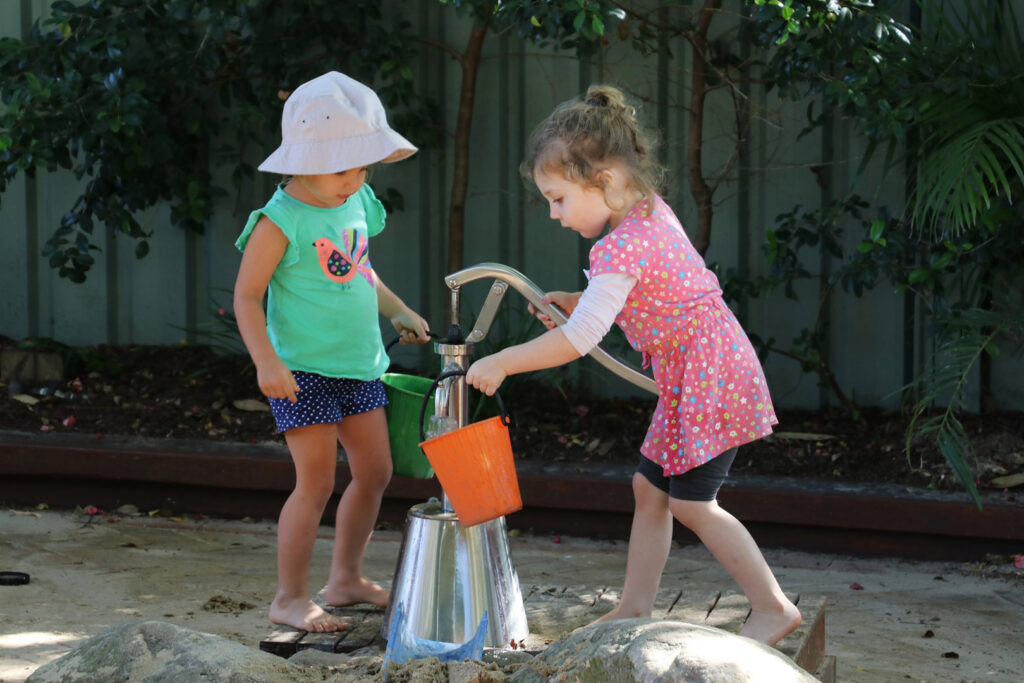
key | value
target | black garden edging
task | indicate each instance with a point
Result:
(230, 479)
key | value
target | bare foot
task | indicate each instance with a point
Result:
(305, 615)
(771, 627)
(353, 594)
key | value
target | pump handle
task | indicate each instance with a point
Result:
(533, 294)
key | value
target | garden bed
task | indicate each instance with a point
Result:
(189, 392)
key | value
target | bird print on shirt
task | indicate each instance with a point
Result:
(342, 265)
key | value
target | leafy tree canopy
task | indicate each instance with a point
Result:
(142, 99)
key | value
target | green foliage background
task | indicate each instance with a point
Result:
(142, 99)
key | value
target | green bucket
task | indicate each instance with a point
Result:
(405, 398)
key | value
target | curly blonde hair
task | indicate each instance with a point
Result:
(582, 136)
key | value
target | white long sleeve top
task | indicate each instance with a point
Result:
(596, 310)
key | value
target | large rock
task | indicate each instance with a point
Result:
(623, 651)
(158, 652)
(652, 650)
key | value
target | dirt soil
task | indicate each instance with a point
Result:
(190, 392)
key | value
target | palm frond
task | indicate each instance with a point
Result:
(972, 151)
(996, 22)
(948, 380)
(967, 334)
(965, 168)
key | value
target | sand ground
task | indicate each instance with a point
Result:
(887, 619)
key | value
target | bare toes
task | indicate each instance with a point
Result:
(328, 625)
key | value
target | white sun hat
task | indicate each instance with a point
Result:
(334, 123)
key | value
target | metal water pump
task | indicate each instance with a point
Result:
(449, 575)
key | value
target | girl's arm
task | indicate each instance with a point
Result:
(549, 350)
(592, 314)
(262, 253)
(409, 325)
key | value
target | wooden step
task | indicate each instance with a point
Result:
(364, 625)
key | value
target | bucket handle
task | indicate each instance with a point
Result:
(432, 335)
(505, 419)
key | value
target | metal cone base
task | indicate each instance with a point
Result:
(449, 575)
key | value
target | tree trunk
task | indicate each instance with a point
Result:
(470, 63)
(699, 188)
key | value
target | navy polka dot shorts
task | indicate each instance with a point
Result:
(326, 400)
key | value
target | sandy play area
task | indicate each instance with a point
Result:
(887, 620)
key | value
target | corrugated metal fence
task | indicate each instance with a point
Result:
(186, 277)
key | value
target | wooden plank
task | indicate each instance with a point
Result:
(810, 635)
(282, 641)
(827, 671)
(729, 613)
(327, 642)
(664, 601)
(554, 610)
(363, 631)
(364, 625)
(693, 607)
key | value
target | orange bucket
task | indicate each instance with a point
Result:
(475, 466)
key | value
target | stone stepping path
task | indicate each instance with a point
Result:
(553, 611)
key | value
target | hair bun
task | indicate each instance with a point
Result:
(610, 98)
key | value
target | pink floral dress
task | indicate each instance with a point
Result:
(712, 394)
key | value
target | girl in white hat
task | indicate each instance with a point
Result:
(318, 350)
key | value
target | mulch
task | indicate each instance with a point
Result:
(191, 392)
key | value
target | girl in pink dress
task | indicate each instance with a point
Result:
(593, 163)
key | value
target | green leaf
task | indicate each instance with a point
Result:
(33, 82)
(877, 227)
(918, 275)
(942, 261)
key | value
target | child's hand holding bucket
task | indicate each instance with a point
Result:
(487, 374)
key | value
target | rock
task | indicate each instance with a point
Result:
(652, 650)
(627, 650)
(473, 672)
(361, 665)
(158, 652)
(251, 405)
(504, 659)
(1008, 482)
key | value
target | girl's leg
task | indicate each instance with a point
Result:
(772, 615)
(315, 453)
(365, 439)
(650, 539)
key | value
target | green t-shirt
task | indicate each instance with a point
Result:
(322, 313)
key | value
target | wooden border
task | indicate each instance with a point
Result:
(238, 480)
